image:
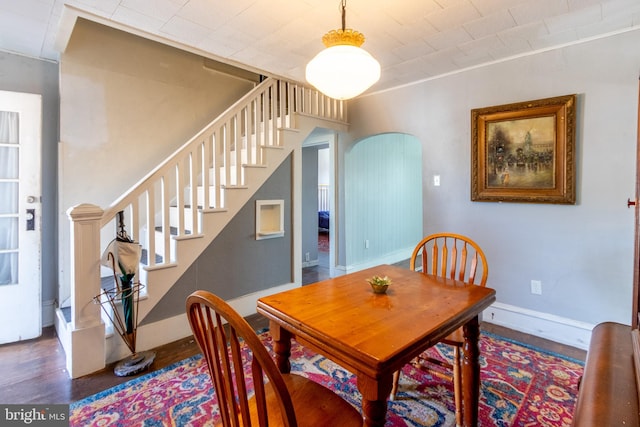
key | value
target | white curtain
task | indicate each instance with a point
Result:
(9, 150)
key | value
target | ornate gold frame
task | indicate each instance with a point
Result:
(529, 154)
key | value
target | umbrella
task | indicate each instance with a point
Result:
(125, 253)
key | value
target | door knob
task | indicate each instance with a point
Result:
(630, 203)
(31, 219)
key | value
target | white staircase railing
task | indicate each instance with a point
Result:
(214, 159)
(169, 204)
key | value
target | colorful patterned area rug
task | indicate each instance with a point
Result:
(520, 386)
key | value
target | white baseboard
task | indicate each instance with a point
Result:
(391, 258)
(62, 330)
(310, 263)
(555, 328)
(48, 313)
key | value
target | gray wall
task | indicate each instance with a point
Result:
(22, 74)
(310, 203)
(237, 264)
(582, 253)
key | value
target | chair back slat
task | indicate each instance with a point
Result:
(241, 393)
(463, 262)
(472, 268)
(434, 257)
(261, 400)
(452, 256)
(453, 260)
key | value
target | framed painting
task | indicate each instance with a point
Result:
(524, 152)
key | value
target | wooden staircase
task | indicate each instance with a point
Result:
(179, 208)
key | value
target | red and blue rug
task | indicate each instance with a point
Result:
(520, 386)
(323, 241)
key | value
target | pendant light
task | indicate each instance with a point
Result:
(343, 70)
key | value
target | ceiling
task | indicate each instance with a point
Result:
(413, 40)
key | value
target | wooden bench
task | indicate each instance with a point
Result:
(608, 393)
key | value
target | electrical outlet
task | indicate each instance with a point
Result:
(366, 244)
(307, 257)
(536, 287)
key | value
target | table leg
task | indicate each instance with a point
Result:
(470, 373)
(281, 346)
(374, 398)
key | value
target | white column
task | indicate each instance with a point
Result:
(87, 353)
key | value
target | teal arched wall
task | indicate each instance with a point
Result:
(383, 199)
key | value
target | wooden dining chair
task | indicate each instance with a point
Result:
(238, 361)
(457, 257)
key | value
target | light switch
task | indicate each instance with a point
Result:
(436, 180)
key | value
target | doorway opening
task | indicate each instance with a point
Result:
(324, 207)
(317, 211)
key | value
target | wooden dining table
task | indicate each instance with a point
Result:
(373, 335)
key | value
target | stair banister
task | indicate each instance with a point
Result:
(135, 191)
(240, 133)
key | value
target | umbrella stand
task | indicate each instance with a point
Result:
(123, 299)
(137, 361)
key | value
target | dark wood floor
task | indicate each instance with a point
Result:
(34, 371)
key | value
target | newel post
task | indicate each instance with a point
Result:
(87, 344)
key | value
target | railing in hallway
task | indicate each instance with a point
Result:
(323, 197)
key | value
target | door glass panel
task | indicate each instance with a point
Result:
(9, 179)
(8, 127)
(8, 250)
(8, 161)
(9, 238)
(9, 193)
(8, 268)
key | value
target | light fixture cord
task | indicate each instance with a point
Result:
(344, 14)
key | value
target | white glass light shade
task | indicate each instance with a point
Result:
(343, 71)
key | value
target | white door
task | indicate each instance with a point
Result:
(20, 216)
